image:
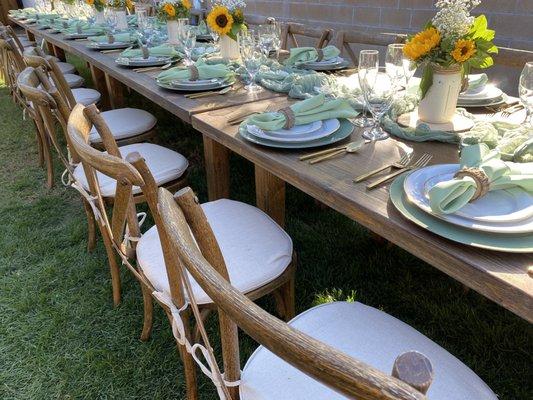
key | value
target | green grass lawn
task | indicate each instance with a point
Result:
(60, 337)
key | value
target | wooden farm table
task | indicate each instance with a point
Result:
(501, 277)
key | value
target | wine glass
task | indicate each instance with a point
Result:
(111, 21)
(525, 90)
(394, 64)
(270, 37)
(187, 39)
(366, 57)
(378, 90)
(252, 56)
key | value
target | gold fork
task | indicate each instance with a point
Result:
(507, 113)
(421, 162)
(240, 118)
(404, 161)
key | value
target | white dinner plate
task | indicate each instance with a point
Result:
(499, 211)
(489, 92)
(175, 85)
(330, 62)
(329, 127)
(151, 61)
(297, 130)
(108, 46)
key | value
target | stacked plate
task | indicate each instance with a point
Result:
(319, 133)
(325, 65)
(501, 220)
(108, 46)
(151, 61)
(200, 85)
(489, 95)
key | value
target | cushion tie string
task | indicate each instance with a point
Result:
(290, 118)
(194, 73)
(480, 178)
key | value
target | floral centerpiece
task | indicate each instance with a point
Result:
(226, 18)
(171, 11)
(451, 44)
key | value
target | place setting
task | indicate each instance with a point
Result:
(310, 58)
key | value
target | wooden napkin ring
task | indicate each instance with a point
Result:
(110, 38)
(195, 74)
(145, 51)
(479, 176)
(78, 29)
(290, 118)
(319, 55)
(65, 24)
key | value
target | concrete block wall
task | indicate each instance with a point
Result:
(512, 19)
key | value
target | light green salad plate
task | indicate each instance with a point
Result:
(508, 243)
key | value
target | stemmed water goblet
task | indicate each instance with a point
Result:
(525, 90)
(394, 64)
(187, 40)
(252, 57)
(363, 121)
(378, 89)
(111, 21)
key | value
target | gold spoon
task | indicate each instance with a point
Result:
(350, 148)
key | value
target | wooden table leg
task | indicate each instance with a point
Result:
(59, 53)
(50, 48)
(217, 169)
(115, 89)
(30, 36)
(99, 83)
(270, 194)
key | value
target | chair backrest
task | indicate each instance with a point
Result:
(344, 39)
(13, 65)
(45, 106)
(258, 20)
(36, 57)
(326, 364)
(291, 31)
(512, 57)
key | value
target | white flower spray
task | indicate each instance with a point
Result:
(231, 5)
(453, 18)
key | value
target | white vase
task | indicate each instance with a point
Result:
(99, 17)
(122, 20)
(439, 104)
(172, 32)
(229, 48)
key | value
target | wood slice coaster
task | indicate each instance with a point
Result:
(458, 124)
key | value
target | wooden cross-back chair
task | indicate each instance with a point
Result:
(512, 57)
(135, 171)
(254, 20)
(290, 31)
(196, 15)
(13, 64)
(344, 39)
(348, 347)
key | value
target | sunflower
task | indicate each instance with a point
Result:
(187, 4)
(169, 9)
(90, 2)
(238, 16)
(464, 49)
(421, 44)
(129, 4)
(220, 20)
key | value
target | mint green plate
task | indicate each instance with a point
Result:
(342, 133)
(508, 243)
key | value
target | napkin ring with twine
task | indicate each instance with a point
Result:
(110, 38)
(290, 118)
(194, 73)
(479, 176)
(319, 54)
(145, 52)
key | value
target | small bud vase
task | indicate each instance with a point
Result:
(122, 20)
(439, 104)
(172, 32)
(229, 48)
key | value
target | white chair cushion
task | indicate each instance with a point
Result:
(256, 249)
(73, 80)
(369, 335)
(166, 165)
(125, 123)
(66, 68)
(86, 96)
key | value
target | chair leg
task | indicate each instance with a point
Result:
(284, 298)
(91, 226)
(39, 139)
(49, 162)
(189, 365)
(113, 267)
(148, 313)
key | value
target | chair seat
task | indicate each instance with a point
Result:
(66, 68)
(166, 165)
(74, 81)
(371, 336)
(125, 123)
(256, 249)
(86, 96)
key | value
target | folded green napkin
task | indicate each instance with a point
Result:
(119, 37)
(476, 81)
(163, 50)
(85, 29)
(449, 196)
(300, 55)
(205, 71)
(316, 108)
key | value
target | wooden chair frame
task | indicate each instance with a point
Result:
(344, 39)
(412, 371)
(134, 171)
(290, 30)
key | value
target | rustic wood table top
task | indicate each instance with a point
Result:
(501, 277)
